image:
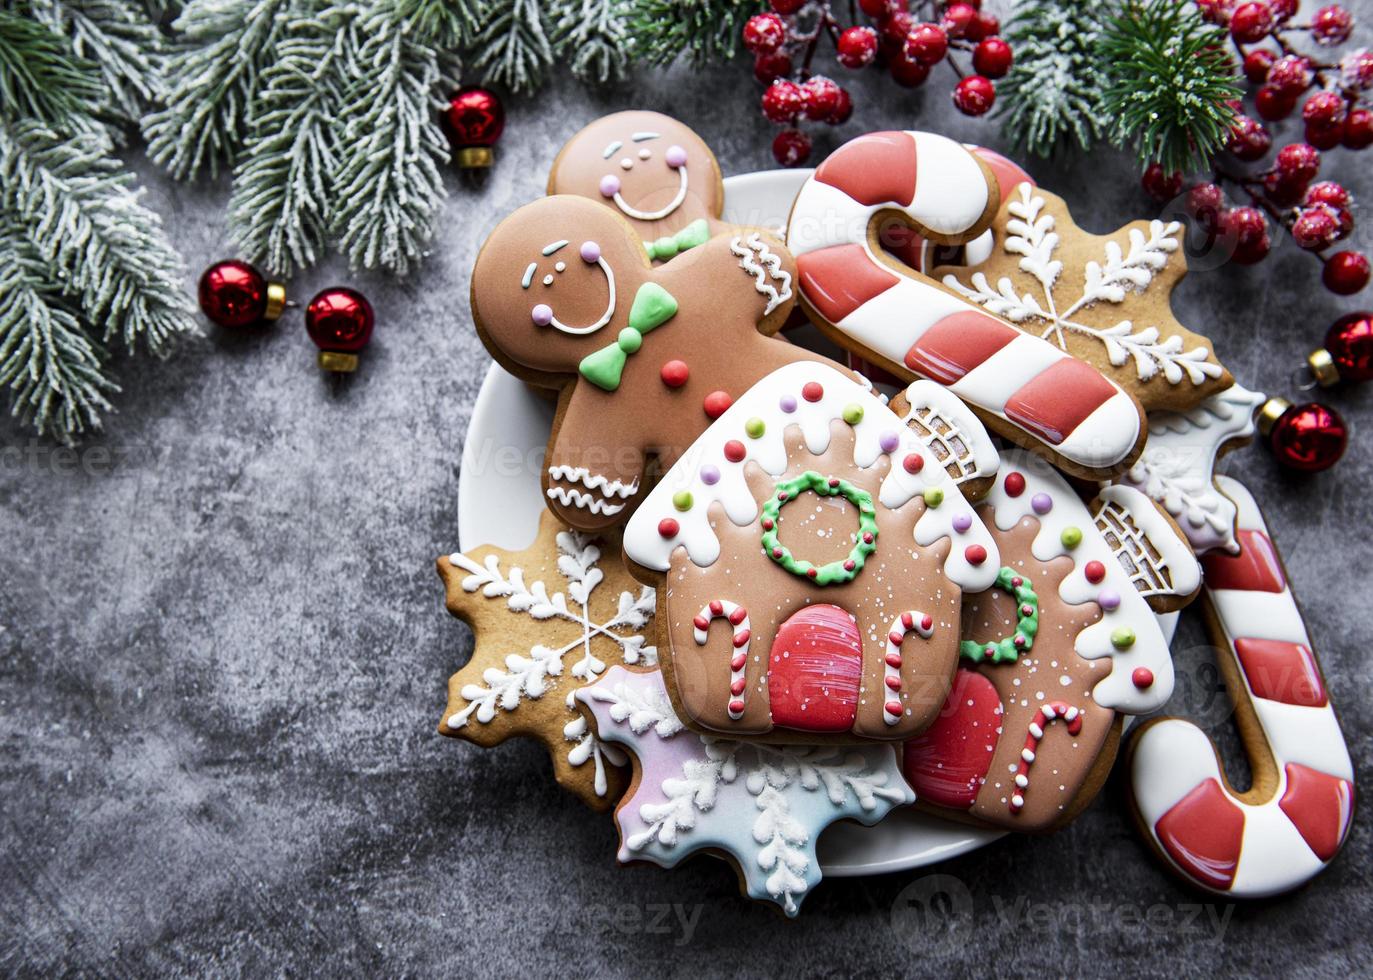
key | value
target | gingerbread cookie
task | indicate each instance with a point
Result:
(547, 620)
(564, 297)
(1023, 386)
(761, 807)
(810, 552)
(1064, 644)
(1178, 466)
(652, 170)
(1296, 815)
(1104, 299)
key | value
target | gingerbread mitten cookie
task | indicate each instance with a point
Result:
(811, 552)
(1065, 643)
(564, 297)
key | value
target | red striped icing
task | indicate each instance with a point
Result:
(1319, 806)
(1203, 833)
(1058, 399)
(1279, 671)
(815, 669)
(839, 279)
(878, 168)
(1255, 569)
(958, 343)
(947, 762)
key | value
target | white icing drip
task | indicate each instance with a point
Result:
(594, 481)
(765, 269)
(604, 318)
(597, 505)
(663, 212)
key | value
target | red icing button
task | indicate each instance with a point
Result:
(1015, 484)
(1143, 678)
(1095, 572)
(975, 553)
(674, 374)
(812, 392)
(668, 527)
(914, 463)
(717, 403)
(735, 451)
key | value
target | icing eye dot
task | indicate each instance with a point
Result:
(560, 267)
(1042, 503)
(591, 252)
(1015, 484)
(682, 500)
(787, 404)
(1123, 638)
(675, 156)
(735, 451)
(548, 280)
(933, 496)
(888, 442)
(645, 153)
(853, 414)
(1143, 678)
(610, 185)
(962, 522)
(542, 315)
(975, 554)
(710, 475)
(1108, 599)
(668, 528)
(1071, 537)
(754, 427)
(626, 163)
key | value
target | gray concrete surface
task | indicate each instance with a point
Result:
(223, 653)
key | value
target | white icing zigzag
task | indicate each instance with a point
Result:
(597, 505)
(767, 266)
(594, 481)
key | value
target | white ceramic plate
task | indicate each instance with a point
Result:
(500, 500)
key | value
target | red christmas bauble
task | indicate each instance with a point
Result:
(234, 294)
(339, 321)
(1350, 344)
(474, 120)
(1345, 273)
(1310, 437)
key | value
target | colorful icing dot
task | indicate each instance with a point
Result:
(913, 463)
(755, 428)
(1143, 678)
(962, 522)
(853, 414)
(630, 340)
(682, 500)
(1042, 503)
(812, 391)
(888, 442)
(735, 451)
(542, 315)
(717, 403)
(1071, 537)
(1095, 572)
(675, 156)
(975, 554)
(668, 527)
(710, 475)
(610, 185)
(1123, 638)
(1108, 599)
(787, 404)
(933, 496)
(1015, 484)
(674, 373)
(591, 252)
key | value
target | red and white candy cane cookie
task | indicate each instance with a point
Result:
(1024, 386)
(738, 658)
(1292, 823)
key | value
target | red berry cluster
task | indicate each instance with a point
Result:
(1333, 111)
(783, 42)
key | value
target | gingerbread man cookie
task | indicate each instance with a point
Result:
(651, 169)
(564, 297)
(1023, 386)
(1296, 815)
(810, 552)
(1064, 644)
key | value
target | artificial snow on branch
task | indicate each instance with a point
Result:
(513, 49)
(590, 36)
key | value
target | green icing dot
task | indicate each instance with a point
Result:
(1123, 638)
(853, 414)
(1005, 650)
(630, 340)
(682, 500)
(933, 496)
(755, 428)
(1071, 537)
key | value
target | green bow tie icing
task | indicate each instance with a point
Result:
(653, 306)
(696, 233)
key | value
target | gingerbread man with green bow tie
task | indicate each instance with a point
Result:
(564, 297)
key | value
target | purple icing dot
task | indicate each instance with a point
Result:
(675, 156)
(889, 441)
(542, 314)
(710, 475)
(1042, 503)
(962, 522)
(787, 404)
(1108, 599)
(591, 252)
(610, 185)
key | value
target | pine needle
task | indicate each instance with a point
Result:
(40, 78)
(590, 37)
(513, 49)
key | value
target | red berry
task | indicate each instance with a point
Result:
(1345, 220)
(1324, 109)
(1345, 273)
(1250, 232)
(984, 25)
(842, 110)
(1327, 192)
(1290, 75)
(787, 7)
(764, 33)
(974, 95)
(791, 148)
(1204, 204)
(1159, 185)
(992, 57)
(783, 101)
(1248, 139)
(822, 97)
(1298, 162)
(1213, 11)
(957, 18)
(896, 27)
(927, 43)
(876, 9)
(1283, 9)
(767, 68)
(1257, 64)
(1272, 104)
(856, 47)
(1251, 22)
(1358, 129)
(1356, 69)
(1324, 137)
(1331, 25)
(1315, 228)
(908, 72)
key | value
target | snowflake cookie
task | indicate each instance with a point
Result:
(761, 806)
(547, 620)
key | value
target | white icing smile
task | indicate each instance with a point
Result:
(675, 157)
(542, 314)
(672, 205)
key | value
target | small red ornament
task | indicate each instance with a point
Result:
(1345, 273)
(339, 321)
(764, 33)
(974, 95)
(1310, 437)
(791, 148)
(234, 295)
(1251, 22)
(857, 47)
(474, 121)
(1331, 25)
(1348, 351)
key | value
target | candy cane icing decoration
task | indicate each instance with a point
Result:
(738, 618)
(1292, 823)
(1053, 711)
(1019, 378)
(907, 622)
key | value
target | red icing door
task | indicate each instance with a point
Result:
(815, 670)
(947, 762)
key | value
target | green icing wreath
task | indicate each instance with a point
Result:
(835, 572)
(1006, 650)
